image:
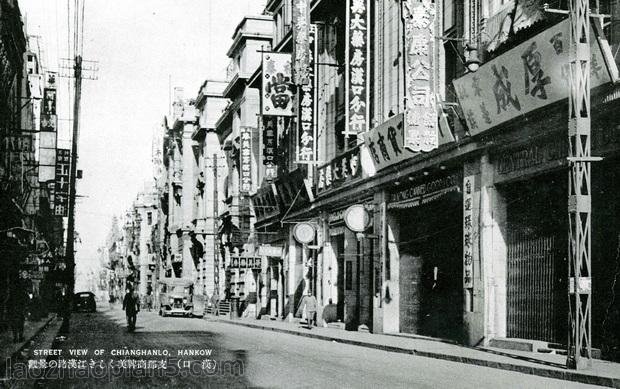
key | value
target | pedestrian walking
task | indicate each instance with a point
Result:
(131, 306)
(310, 304)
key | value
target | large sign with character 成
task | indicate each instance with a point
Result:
(530, 76)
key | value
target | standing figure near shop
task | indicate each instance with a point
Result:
(131, 306)
(18, 301)
(309, 303)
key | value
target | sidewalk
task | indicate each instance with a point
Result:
(31, 329)
(545, 365)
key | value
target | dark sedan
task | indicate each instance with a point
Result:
(84, 301)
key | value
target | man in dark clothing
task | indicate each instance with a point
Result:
(18, 301)
(131, 306)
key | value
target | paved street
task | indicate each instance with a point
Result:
(267, 359)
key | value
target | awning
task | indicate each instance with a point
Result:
(527, 13)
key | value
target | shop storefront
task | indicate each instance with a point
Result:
(427, 220)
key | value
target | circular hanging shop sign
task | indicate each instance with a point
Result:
(304, 233)
(357, 218)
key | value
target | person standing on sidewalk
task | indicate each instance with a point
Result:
(18, 299)
(310, 305)
(131, 306)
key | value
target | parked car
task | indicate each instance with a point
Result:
(84, 301)
(176, 297)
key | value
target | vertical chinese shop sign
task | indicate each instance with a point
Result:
(277, 86)
(357, 93)
(270, 134)
(306, 123)
(245, 160)
(421, 111)
(301, 42)
(468, 231)
(61, 187)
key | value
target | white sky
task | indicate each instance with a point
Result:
(138, 44)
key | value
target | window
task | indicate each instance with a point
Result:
(348, 275)
(449, 17)
(149, 218)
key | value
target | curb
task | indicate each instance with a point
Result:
(17, 352)
(538, 371)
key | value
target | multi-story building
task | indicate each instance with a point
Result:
(449, 133)
(31, 237)
(409, 170)
(238, 135)
(145, 208)
(210, 103)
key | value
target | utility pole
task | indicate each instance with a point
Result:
(70, 249)
(579, 197)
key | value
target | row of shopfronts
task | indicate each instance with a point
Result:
(468, 243)
(465, 240)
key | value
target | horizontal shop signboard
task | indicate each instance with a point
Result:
(530, 76)
(245, 262)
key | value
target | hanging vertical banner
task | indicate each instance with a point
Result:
(277, 85)
(306, 123)
(61, 187)
(357, 67)
(421, 110)
(301, 42)
(245, 160)
(468, 231)
(270, 143)
(48, 111)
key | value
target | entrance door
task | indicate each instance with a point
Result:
(340, 281)
(431, 268)
(537, 267)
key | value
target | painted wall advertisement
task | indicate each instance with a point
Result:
(357, 93)
(530, 76)
(468, 231)
(245, 160)
(421, 107)
(277, 85)
(306, 123)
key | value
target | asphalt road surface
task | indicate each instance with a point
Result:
(243, 357)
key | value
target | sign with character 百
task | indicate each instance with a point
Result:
(530, 76)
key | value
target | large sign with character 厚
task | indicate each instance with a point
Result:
(277, 86)
(534, 74)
